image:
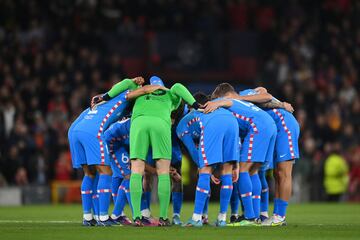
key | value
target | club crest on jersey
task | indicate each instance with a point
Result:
(93, 111)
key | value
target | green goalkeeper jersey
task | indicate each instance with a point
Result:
(162, 102)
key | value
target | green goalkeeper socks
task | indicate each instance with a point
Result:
(164, 194)
(135, 193)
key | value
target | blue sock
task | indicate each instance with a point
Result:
(225, 192)
(104, 191)
(115, 184)
(148, 199)
(145, 200)
(264, 206)
(276, 205)
(256, 194)
(206, 206)
(281, 207)
(86, 194)
(245, 190)
(128, 194)
(177, 199)
(202, 191)
(95, 196)
(234, 200)
(121, 197)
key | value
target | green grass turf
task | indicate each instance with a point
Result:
(305, 221)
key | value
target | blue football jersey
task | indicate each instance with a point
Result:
(118, 132)
(189, 133)
(248, 115)
(97, 120)
(274, 114)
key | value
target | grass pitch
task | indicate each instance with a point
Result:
(305, 221)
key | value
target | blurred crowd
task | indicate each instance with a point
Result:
(52, 60)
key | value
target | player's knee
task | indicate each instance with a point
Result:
(162, 170)
(206, 169)
(104, 169)
(284, 174)
(284, 170)
(226, 168)
(137, 166)
(245, 167)
(89, 171)
(162, 166)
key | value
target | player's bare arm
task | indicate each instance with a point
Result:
(215, 179)
(144, 90)
(261, 90)
(258, 98)
(276, 104)
(117, 89)
(138, 80)
(175, 175)
(212, 106)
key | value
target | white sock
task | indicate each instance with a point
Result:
(96, 217)
(88, 216)
(196, 217)
(113, 216)
(222, 217)
(146, 213)
(176, 214)
(235, 214)
(265, 214)
(104, 218)
(205, 215)
(122, 213)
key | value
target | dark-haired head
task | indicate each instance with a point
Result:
(222, 89)
(201, 98)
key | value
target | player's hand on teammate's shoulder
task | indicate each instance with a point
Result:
(139, 80)
(288, 107)
(210, 107)
(260, 90)
(95, 100)
(152, 88)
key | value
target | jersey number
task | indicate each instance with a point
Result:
(124, 158)
(248, 104)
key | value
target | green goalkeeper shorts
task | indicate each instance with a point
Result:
(150, 131)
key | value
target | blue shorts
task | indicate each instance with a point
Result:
(219, 144)
(87, 149)
(74, 156)
(258, 146)
(120, 160)
(269, 157)
(286, 146)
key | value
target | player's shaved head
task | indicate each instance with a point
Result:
(222, 89)
(201, 98)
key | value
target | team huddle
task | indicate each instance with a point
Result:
(135, 132)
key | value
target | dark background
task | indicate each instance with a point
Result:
(55, 55)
